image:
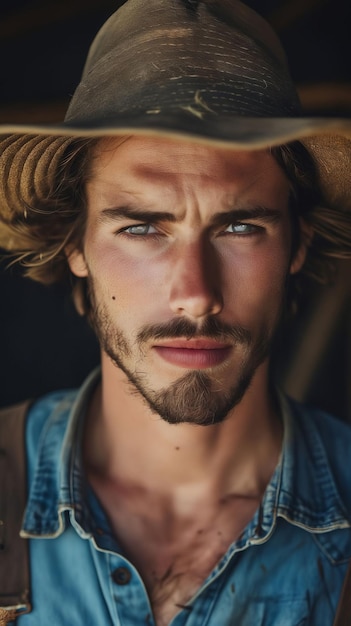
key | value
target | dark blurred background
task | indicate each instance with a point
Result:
(44, 344)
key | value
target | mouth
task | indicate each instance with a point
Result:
(193, 353)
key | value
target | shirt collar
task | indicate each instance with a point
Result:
(302, 489)
(57, 490)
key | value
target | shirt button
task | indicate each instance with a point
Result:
(121, 576)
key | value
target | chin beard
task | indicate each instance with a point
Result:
(197, 397)
(192, 399)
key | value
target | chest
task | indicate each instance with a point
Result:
(173, 569)
(174, 554)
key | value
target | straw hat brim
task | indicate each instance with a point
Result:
(233, 131)
(29, 153)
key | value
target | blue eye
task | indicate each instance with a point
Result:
(241, 229)
(140, 229)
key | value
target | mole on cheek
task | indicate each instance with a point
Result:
(113, 297)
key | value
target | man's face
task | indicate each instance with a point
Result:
(187, 252)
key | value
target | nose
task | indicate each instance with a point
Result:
(195, 289)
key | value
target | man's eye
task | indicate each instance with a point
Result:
(241, 229)
(140, 229)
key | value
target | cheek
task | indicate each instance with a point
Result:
(129, 282)
(255, 280)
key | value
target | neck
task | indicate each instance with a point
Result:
(125, 442)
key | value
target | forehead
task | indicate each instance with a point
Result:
(150, 161)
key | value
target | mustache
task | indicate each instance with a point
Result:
(211, 328)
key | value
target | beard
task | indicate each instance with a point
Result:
(197, 397)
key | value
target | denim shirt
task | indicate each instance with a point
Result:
(286, 569)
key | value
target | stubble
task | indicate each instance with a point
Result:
(197, 397)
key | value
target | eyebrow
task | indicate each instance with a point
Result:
(119, 213)
(266, 214)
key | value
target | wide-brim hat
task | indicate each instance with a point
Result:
(212, 71)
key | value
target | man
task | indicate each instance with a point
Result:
(178, 485)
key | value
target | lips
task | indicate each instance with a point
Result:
(194, 353)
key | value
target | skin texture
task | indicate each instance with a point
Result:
(187, 253)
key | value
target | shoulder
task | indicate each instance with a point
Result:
(328, 440)
(332, 431)
(54, 406)
(52, 420)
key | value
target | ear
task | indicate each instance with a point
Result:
(76, 262)
(306, 236)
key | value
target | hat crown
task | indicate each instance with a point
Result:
(137, 18)
(169, 55)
